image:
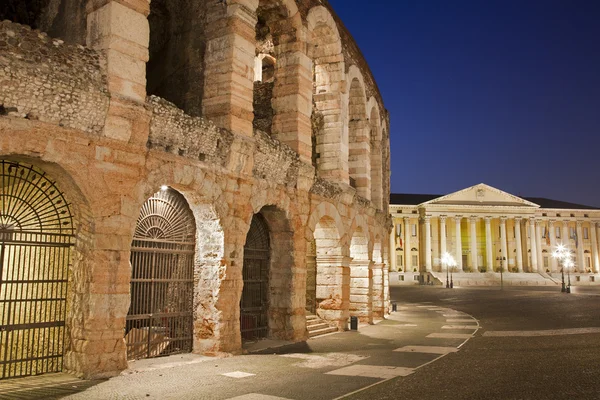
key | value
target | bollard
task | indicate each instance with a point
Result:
(394, 307)
(354, 323)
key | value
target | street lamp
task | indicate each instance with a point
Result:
(563, 254)
(501, 259)
(569, 263)
(449, 261)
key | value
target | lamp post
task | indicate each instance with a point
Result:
(563, 255)
(569, 263)
(449, 261)
(501, 259)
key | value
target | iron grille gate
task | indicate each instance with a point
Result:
(36, 235)
(160, 318)
(254, 323)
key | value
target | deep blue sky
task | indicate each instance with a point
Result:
(503, 92)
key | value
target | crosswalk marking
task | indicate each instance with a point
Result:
(373, 371)
(450, 335)
(428, 349)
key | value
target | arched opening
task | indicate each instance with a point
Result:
(376, 159)
(160, 318)
(64, 19)
(175, 70)
(266, 306)
(361, 282)
(325, 49)
(359, 166)
(36, 239)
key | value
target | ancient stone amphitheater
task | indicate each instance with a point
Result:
(184, 176)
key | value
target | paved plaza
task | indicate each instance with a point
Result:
(439, 344)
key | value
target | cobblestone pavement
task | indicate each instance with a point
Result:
(327, 367)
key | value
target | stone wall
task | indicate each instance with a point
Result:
(43, 78)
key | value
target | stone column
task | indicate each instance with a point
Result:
(540, 245)
(427, 243)
(565, 234)
(333, 289)
(393, 262)
(229, 59)
(579, 242)
(595, 257)
(551, 232)
(386, 291)
(378, 290)
(442, 235)
(533, 249)
(503, 244)
(361, 290)
(407, 253)
(519, 244)
(473, 243)
(458, 254)
(120, 29)
(292, 101)
(489, 257)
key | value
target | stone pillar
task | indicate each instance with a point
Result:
(551, 232)
(442, 235)
(579, 247)
(489, 257)
(458, 253)
(393, 263)
(473, 245)
(378, 290)
(565, 234)
(292, 102)
(595, 257)
(229, 59)
(361, 290)
(519, 244)
(386, 291)
(503, 244)
(120, 29)
(407, 252)
(333, 289)
(427, 243)
(540, 245)
(533, 249)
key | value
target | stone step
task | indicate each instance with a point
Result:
(317, 326)
(318, 332)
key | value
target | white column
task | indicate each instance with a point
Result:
(473, 243)
(503, 245)
(533, 249)
(392, 252)
(407, 253)
(540, 245)
(458, 254)
(442, 235)
(519, 245)
(551, 232)
(427, 243)
(580, 258)
(565, 234)
(489, 257)
(595, 257)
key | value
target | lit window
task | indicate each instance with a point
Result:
(414, 229)
(586, 233)
(557, 232)
(545, 261)
(415, 261)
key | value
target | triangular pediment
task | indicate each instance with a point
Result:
(482, 195)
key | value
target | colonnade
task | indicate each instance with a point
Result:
(533, 236)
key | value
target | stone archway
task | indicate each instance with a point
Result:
(361, 275)
(160, 318)
(37, 235)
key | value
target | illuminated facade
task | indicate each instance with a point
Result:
(481, 227)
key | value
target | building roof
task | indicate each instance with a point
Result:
(416, 199)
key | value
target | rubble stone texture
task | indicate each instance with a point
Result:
(163, 93)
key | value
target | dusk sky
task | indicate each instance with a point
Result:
(504, 92)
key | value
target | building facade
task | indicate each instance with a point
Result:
(182, 177)
(482, 227)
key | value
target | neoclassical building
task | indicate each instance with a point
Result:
(481, 227)
(184, 176)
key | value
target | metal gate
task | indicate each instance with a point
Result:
(254, 322)
(36, 235)
(160, 318)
